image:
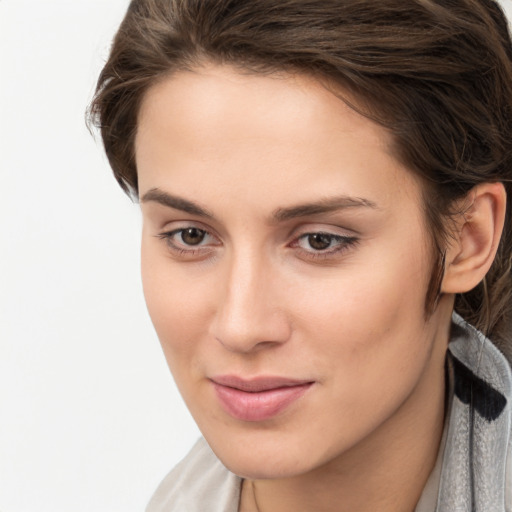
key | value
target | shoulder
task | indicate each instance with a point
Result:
(482, 373)
(477, 465)
(199, 483)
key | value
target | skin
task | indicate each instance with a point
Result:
(254, 297)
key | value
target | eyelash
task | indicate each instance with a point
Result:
(343, 243)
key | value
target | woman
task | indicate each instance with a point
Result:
(323, 186)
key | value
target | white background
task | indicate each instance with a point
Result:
(90, 420)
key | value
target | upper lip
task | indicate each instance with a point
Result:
(257, 384)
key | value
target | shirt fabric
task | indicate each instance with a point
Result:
(473, 470)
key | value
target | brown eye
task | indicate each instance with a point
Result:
(321, 244)
(320, 241)
(192, 236)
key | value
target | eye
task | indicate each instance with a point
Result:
(322, 244)
(320, 241)
(189, 241)
(192, 236)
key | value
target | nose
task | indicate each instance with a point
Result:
(250, 312)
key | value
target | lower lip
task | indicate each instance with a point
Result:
(258, 406)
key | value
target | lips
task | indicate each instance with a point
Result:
(257, 399)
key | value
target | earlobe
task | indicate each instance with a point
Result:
(476, 239)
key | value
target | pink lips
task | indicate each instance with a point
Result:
(257, 399)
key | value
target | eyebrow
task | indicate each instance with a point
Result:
(323, 206)
(178, 203)
(327, 205)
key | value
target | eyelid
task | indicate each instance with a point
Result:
(173, 225)
(328, 229)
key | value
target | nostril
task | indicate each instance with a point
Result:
(247, 345)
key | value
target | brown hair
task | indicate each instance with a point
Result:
(436, 73)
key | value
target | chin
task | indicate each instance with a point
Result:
(262, 468)
(256, 459)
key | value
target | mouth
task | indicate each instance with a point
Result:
(257, 399)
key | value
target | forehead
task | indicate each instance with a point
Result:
(274, 104)
(217, 127)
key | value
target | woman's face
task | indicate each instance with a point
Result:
(285, 265)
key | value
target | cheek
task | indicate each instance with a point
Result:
(370, 321)
(370, 343)
(369, 298)
(178, 303)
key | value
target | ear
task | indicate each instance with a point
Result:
(475, 239)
